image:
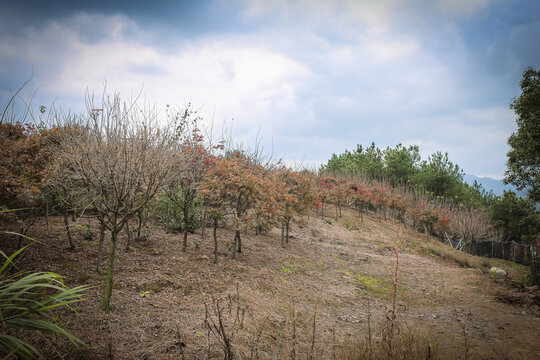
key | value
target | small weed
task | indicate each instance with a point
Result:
(86, 231)
(286, 270)
(373, 286)
(82, 278)
(68, 265)
(154, 286)
(144, 293)
(350, 226)
(188, 288)
(145, 249)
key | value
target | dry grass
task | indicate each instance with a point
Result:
(339, 275)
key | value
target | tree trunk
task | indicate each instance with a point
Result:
(139, 224)
(235, 244)
(239, 241)
(203, 222)
(100, 248)
(215, 241)
(282, 234)
(287, 223)
(128, 231)
(186, 225)
(68, 230)
(257, 225)
(110, 272)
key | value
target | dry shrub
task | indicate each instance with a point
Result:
(407, 345)
(469, 226)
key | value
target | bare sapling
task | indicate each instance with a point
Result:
(462, 322)
(391, 314)
(223, 319)
(314, 332)
(102, 229)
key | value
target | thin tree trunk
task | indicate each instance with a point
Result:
(235, 244)
(68, 230)
(110, 272)
(140, 223)
(186, 225)
(168, 215)
(100, 248)
(203, 221)
(282, 234)
(239, 241)
(287, 223)
(257, 226)
(128, 231)
(215, 241)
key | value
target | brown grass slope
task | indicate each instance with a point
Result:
(321, 297)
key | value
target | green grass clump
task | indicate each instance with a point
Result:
(286, 270)
(27, 301)
(373, 286)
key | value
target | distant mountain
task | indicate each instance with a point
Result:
(497, 186)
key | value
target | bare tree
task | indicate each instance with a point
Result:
(122, 155)
(470, 225)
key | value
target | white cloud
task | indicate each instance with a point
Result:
(462, 7)
(317, 77)
(251, 83)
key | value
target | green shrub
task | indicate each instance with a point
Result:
(170, 215)
(27, 301)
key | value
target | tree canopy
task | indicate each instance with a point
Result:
(524, 156)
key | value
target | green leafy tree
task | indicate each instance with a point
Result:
(439, 176)
(524, 157)
(516, 217)
(401, 163)
(367, 161)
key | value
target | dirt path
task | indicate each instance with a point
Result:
(342, 271)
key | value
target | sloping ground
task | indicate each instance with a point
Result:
(322, 295)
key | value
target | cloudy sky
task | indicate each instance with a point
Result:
(311, 77)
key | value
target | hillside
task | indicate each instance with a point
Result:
(338, 273)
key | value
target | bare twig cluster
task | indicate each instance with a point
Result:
(222, 320)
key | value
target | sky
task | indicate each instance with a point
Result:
(307, 78)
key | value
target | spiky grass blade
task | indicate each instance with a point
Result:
(26, 302)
